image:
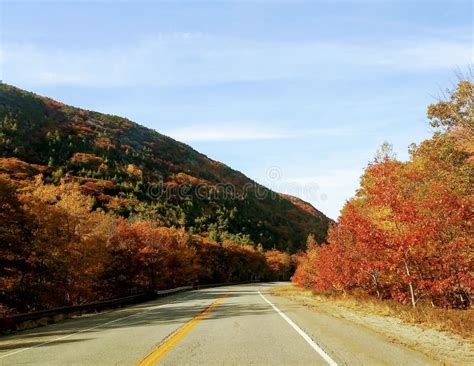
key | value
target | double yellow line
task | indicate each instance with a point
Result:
(169, 343)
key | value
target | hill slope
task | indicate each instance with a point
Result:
(136, 171)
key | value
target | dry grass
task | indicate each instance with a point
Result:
(460, 322)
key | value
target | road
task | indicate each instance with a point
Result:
(234, 325)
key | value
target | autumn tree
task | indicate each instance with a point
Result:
(279, 264)
(407, 234)
(68, 248)
(15, 246)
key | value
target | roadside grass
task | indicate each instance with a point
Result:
(460, 322)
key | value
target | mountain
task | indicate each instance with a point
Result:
(137, 172)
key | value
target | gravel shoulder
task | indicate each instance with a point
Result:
(442, 347)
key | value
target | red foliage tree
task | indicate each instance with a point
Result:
(407, 235)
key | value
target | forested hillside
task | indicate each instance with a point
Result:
(407, 235)
(138, 173)
(57, 249)
(94, 207)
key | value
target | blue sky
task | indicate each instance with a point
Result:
(298, 95)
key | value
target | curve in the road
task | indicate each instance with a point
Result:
(247, 327)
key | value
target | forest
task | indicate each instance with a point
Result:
(407, 235)
(96, 207)
(58, 250)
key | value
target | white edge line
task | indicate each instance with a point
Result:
(306, 337)
(86, 330)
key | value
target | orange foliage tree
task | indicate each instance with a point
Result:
(68, 246)
(57, 249)
(147, 257)
(280, 264)
(407, 235)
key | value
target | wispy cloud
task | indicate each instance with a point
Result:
(248, 131)
(331, 178)
(226, 132)
(429, 55)
(327, 191)
(197, 59)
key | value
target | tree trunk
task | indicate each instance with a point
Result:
(376, 283)
(410, 284)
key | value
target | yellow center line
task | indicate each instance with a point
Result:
(170, 342)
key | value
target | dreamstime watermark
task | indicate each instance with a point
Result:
(273, 183)
(307, 189)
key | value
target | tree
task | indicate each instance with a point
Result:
(407, 235)
(15, 245)
(68, 248)
(279, 264)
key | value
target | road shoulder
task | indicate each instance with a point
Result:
(439, 347)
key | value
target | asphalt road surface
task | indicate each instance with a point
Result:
(234, 325)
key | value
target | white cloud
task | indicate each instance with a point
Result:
(334, 178)
(226, 132)
(195, 59)
(327, 191)
(241, 131)
(430, 54)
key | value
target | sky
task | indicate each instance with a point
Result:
(297, 95)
